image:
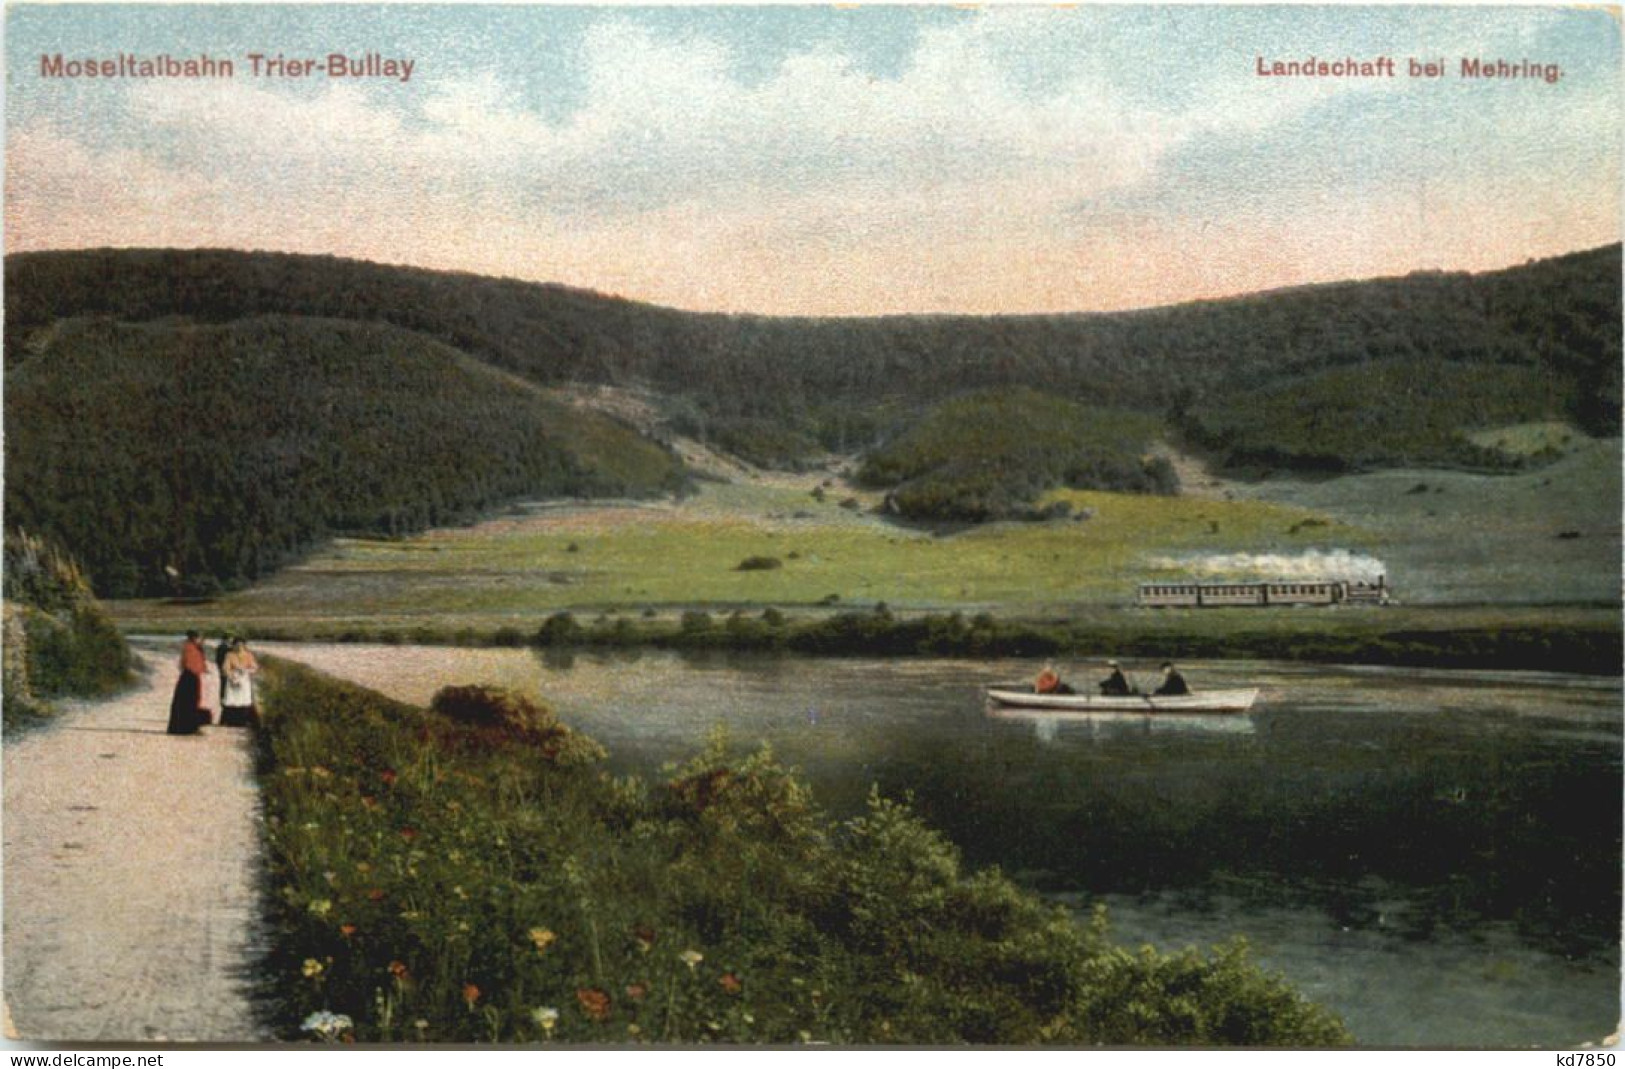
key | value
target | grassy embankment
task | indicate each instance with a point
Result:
(59, 641)
(468, 873)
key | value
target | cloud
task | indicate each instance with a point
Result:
(958, 179)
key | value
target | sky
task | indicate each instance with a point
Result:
(830, 161)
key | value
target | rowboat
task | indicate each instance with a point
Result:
(1021, 696)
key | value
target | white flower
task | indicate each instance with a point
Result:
(546, 1016)
(327, 1024)
(691, 958)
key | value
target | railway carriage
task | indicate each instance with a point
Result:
(1275, 592)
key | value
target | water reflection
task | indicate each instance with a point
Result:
(1049, 726)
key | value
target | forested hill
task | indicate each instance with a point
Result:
(184, 419)
(1559, 317)
(175, 457)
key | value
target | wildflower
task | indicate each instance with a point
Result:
(319, 771)
(388, 776)
(543, 938)
(637, 992)
(691, 958)
(421, 1025)
(409, 834)
(594, 1002)
(320, 906)
(369, 802)
(312, 968)
(327, 1024)
(645, 936)
(633, 1030)
(375, 894)
(399, 971)
(471, 994)
(545, 1016)
(459, 892)
(730, 983)
(346, 930)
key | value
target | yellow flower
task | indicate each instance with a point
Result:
(546, 1016)
(543, 938)
(691, 958)
(321, 907)
(312, 968)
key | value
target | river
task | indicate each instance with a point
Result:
(1435, 855)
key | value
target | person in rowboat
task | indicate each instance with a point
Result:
(1049, 681)
(1172, 682)
(1115, 684)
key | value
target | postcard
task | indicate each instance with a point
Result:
(858, 525)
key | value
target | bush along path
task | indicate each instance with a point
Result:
(132, 899)
(469, 873)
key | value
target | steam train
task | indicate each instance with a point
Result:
(1278, 592)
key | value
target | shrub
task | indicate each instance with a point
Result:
(493, 716)
(560, 629)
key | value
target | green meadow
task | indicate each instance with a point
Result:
(813, 554)
(1457, 545)
(1548, 534)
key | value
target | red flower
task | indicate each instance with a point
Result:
(645, 936)
(376, 894)
(388, 776)
(398, 970)
(471, 994)
(730, 983)
(409, 834)
(594, 1002)
(346, 930)
(637, 992)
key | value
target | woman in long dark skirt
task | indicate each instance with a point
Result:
(184, 716)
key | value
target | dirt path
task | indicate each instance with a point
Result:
(131, 858)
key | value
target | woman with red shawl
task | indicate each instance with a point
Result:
(186, 712)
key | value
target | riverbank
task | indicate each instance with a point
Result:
(467, 872)
(1441, 825)
(1554, 639)
(131, 897)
